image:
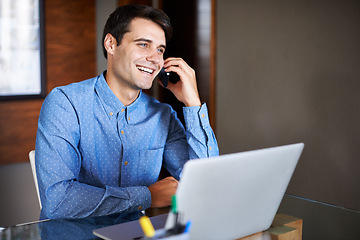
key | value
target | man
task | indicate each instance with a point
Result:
(101, 142)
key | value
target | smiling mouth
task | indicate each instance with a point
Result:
(145, 69)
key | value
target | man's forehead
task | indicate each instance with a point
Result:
(147, 29)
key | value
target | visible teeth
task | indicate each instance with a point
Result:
(148, 70)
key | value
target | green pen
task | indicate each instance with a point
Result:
(173, 204)
(176, 214)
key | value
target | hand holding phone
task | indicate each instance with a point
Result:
(186, 92)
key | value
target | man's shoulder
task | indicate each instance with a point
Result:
(76, 89)
(74, 93)
(79, 87)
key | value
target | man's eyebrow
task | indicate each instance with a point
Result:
(148, 41)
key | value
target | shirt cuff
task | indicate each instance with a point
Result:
(196, 116)
(140, 198)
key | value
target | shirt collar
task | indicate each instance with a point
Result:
(112, 104)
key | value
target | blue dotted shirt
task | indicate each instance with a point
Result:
(95, 156)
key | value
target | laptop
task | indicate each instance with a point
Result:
(230, 196)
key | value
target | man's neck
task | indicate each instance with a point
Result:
(124, 93)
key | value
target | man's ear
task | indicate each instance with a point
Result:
(109, 43)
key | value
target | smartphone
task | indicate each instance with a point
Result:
(164, 77)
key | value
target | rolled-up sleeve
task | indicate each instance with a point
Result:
(199, 134)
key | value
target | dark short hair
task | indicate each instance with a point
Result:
(119, 21)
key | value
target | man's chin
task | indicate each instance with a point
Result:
(146, 86)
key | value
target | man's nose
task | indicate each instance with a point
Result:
(154, 56)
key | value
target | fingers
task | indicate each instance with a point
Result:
(171, 184)
(186, 89)
(162, 191)
(179, 66)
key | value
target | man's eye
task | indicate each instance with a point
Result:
(161, 50)
(142, 45)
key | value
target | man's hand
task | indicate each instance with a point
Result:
(162, 191)
(186, 89)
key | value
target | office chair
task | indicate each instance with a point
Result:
(32, 163)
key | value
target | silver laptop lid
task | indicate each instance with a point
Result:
(235, 195)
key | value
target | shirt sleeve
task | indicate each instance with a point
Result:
(199, 134)
(58, 163)
(197, 141)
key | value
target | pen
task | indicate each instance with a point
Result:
(178, 226)
(173, 204)
(147, 226)
(175, 211)
(187, 227)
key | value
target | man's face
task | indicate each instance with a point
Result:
(139, 57)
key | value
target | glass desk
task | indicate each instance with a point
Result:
(320, 221)
(62, 229)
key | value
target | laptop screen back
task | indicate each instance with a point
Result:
(235, 195)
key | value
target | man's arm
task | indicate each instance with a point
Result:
(199, 134)
(199, 140)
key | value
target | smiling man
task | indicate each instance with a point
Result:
(102, 142)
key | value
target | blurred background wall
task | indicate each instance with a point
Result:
(289, 71)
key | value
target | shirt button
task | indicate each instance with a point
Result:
(122, 110)
(111, 113)
(122, 132)
(126, 163)
(210, 148)
(129, 118)
(203, 115)
(140, 207)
